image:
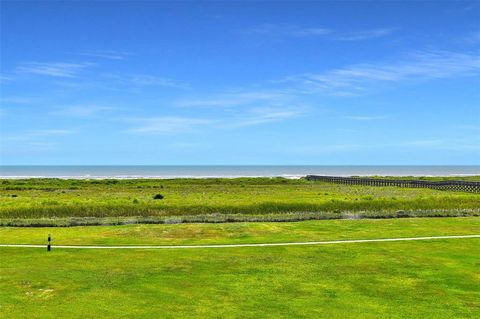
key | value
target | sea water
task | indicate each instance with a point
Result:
(98, 172)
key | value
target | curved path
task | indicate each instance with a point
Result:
(246, 245)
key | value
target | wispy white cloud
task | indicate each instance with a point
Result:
(105, 54)
(366, 117)
(29, 147)
(433, 144)
(139, 81)
(239, 119)
(5, 78)
(474, 5)
(229, 99)
(53, 69)
(473, 38)
(169, 124)
(16, 100)
(35, 140)
(37, 135)
(189, 145)
(286, 30)
(447, 144)
(467, 127)
(50, 132)
(152, 80)
(67, 74)
(262, 115)
(247, 107)
(275, 30)
(357, 78)
(365, 35)
(87, 110)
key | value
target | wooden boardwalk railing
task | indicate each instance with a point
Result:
(461, 186)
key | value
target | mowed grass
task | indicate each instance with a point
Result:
(237, 233)
(55, 198)
(427, 279)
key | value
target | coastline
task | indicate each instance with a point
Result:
(97, 172)
(211, 177)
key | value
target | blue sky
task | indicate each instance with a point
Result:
(240, 82)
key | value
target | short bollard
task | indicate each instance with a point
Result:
(49, 246)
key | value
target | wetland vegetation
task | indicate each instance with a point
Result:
(50, 202)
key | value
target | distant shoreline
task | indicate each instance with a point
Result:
(213, 177)
(232, 171)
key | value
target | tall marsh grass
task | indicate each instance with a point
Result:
(198, 200)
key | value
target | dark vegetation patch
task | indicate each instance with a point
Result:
(227, 218)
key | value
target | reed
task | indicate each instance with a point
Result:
(193, 200)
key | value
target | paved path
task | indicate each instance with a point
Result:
(246, 245)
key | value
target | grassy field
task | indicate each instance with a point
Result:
(70, 202)
(428, 279)
(237, 233)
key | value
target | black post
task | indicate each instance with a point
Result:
(49, 246)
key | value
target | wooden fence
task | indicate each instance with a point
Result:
(461, 186)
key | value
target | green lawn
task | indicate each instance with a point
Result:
(59, 202)
(427, 279)
(235, 233)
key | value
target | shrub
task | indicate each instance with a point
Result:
(402, 214)
(158, 196)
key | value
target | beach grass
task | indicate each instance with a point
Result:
(83, 202)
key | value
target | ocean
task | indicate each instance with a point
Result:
(125, 172)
